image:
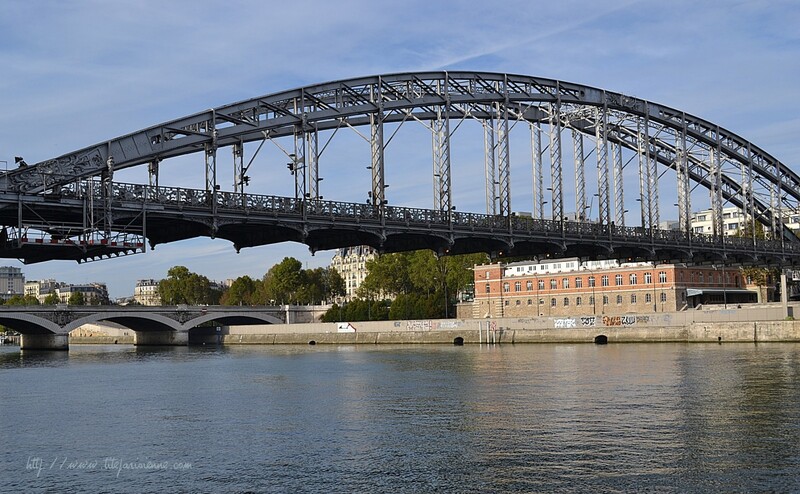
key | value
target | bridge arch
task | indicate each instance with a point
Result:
(29, 323)
(141, 321)
(232, 319)
(622, 134)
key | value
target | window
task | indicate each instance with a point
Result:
(604, 280)
(505, 287)
(578, 282)
(566, 301)
(553, 284)
(648, 278)
(591, 299)
(541, 284)
(663, 297)
(518, 302)
(541, 301)
(506, 302)
(662, 277)
(529, 285)
(605, 299)
(578, 301)
(647, 298)
(591, 281)
(565, 283)
(618, 280)
(552, 302)
(619, 299)
(487, 275)
(488, 288)
(530, 302)
(518, 286)
(632, 279)
(633, 298)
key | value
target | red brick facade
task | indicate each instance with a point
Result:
(512, 290)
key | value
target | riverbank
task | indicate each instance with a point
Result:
(729, 325)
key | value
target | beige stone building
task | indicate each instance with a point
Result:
(146, 292)
(351, 264)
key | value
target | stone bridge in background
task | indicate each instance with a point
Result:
(48, 327)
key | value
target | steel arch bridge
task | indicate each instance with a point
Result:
(70, 207)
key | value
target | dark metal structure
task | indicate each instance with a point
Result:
(70, 207)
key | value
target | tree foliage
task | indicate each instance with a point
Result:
(22, 300)
(420, 284)
(76, 298)
(184, 287)
(241, 292)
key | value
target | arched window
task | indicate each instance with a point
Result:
(604, 280)
(566, 301)
(578, 301)
(632, 279)
(518, 286)
(648, 278)
(529, 285)
(565, 283)
(618, 280)
(591, 281)
(488, 288)
(505, 287)
(619, 299)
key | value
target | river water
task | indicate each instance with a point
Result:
(433, 418)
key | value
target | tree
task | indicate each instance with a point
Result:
(241, 292)
(76, 298)
(51, 299)
(22, 300)
(760, 277)
(282, 282)
(184, 287)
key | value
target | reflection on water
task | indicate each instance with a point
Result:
(524, 418)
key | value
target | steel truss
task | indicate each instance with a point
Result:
(698, 153)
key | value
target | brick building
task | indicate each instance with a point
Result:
(571, 287)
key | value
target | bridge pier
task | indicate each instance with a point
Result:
(44, 342)
(161, 338)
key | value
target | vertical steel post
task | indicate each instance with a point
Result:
(490, 165)
(377, 147)
(601, 136)
(503, 161)
(643, 157)
(556, 176)
(682, 168)
(580, 176)
(312, 161)
(652, 192)
(238, 167)
(538, 176)
(716, 193)
(619, 192)
(440, 131)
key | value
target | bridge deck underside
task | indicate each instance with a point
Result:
(389, 230)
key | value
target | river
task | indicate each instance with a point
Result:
(432, 418)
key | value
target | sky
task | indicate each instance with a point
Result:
(81, 72)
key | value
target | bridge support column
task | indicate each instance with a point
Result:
(161, 338)
(44, 342)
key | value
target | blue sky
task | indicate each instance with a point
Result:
(80, 72)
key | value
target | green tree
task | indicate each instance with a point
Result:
(51, 299)
(282, 282)
(76, 298)
(185, 287)
(22, 300)
(241, 292)
(761, 277)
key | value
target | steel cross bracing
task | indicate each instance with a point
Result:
(699, 153)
